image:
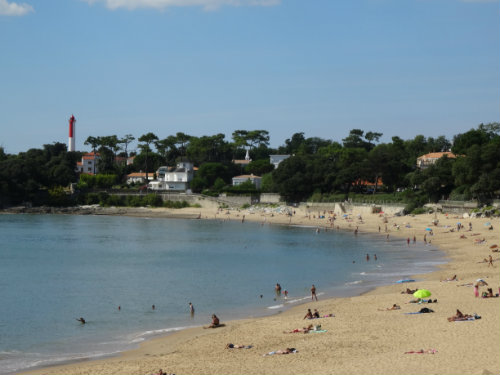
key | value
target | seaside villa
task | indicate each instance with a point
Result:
(427, 160)
(176, 179)
(256, 180)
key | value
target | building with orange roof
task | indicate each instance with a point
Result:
(427, 160)
(89, 163)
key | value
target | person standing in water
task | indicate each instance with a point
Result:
(277, 288)
(313, 293)
(191, 309)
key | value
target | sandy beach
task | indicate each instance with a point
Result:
(363, 337)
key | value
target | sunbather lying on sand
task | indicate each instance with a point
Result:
(489, 294)
(459, 316)
(422, 351)
(233, 346)
(394, 307)
(303, 329)
(454, 278)
(409, 291)
(285, 351)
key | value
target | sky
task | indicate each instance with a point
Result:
(203, 67)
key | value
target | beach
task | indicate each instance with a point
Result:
(363, 337)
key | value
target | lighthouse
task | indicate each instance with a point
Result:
(72, 128)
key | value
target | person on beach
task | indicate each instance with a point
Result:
(489, 293)
(277, 289)
(283, 351)
(81, 320)
(153, 307)
(309, 314)
(235, 346)
(303, 329)
(191, 309)
(375, 256)
(313, 293)
(316, 314)
(454, 278)
(409, 291)
(367, 257)
(459, 316)
(490, 262)
(414, 239)
(408, 241)
(215, 322)
(394, 307)
(286, 293)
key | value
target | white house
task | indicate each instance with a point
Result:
(277, 159)
(88, 164)
(139, 177)
(256, 180)
(177, 178)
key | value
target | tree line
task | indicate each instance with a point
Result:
(318, 167)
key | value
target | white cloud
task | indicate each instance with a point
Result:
(14, 9)
(162, 4)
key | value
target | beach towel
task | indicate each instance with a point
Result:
(318, 331)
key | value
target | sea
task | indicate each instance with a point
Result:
(111, 270)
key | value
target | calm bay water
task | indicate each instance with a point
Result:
(56, 268)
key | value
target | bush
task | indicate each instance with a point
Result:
(175, 204)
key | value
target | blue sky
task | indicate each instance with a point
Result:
(202, 67)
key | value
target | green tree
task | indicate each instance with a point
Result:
(259, 167)
(146, 140)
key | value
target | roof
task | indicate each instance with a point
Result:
(139, 174)
(241, 161)
(247, 176)
(437, 155)
(368, 183)
(90, 156)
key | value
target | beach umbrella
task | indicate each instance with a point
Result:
(421, 293)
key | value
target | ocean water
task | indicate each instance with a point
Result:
(56, 268)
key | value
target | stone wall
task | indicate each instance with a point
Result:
(341, 208)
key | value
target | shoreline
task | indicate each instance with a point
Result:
(173, 351)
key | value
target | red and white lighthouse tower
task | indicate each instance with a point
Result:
(72, 129)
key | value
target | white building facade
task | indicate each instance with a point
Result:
(176, 179)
